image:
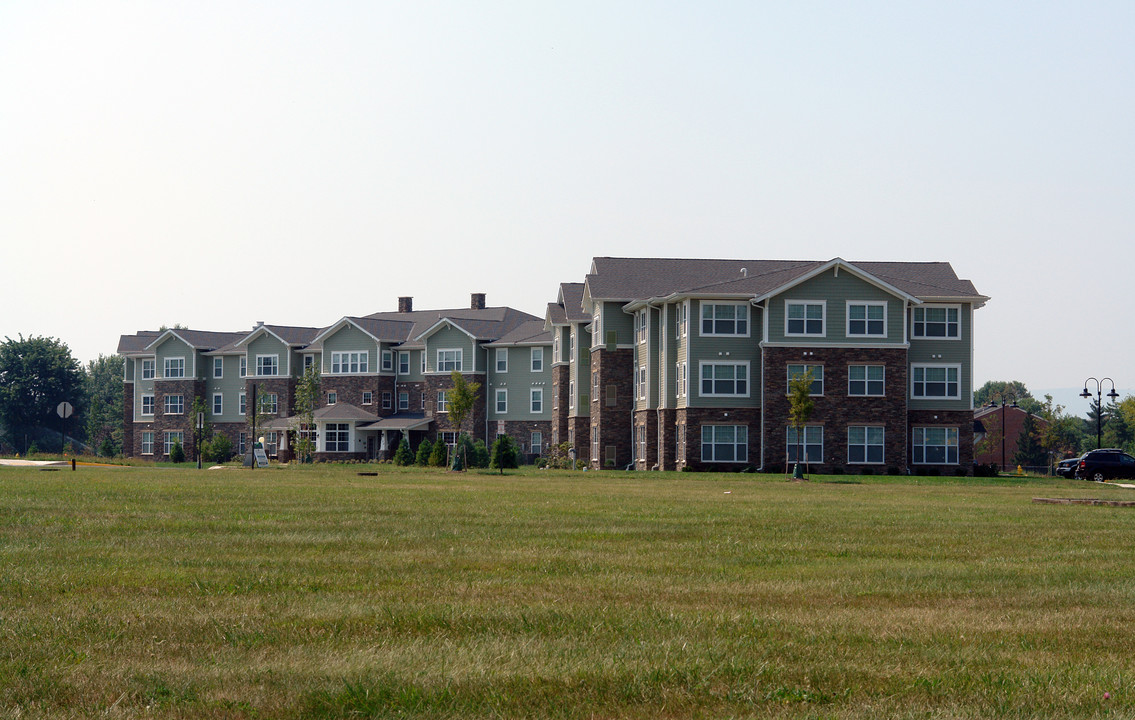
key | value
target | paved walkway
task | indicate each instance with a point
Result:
(34, 463)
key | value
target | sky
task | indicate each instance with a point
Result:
(214, 164)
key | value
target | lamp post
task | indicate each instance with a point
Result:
(1099, 404)
(200, 429)
(1004, 396)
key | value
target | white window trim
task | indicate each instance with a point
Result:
(803, 447)
(956, 366)
(748, 379)
(153, 368)
(823, 318)
(345, 357)
(701, 318)
(442, 402)
(927, 306)
(403, 396)
(867, 381)
(702, 442)
(386, 361)
(460, 360)
(822, 378)
(166, 367)
(531, 395)
(150, 443)
(242, 400)
(500, 393)
(533, 354)
(869, 303)
(243, 366)
(218, 402)
(218, 367)
(865, 460)
(924, 428)
(166, 409)
(501, 354)
(142, 405)
(332, 397)
(368, 397)
(268, 355)
(403, 355)
(387, 400)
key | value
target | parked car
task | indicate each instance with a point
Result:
(1067, 468)
(1105, 464)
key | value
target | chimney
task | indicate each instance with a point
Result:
(259, 323)
(405, 304)
(477, 301)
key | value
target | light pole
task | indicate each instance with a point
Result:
(1005, 396)
(1099, 404)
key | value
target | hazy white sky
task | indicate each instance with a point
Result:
(219, 163)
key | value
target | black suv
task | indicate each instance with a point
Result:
(1067, 468)
(1101, 465)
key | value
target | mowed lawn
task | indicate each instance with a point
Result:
(317, 592)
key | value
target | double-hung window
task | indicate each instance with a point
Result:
(218, 404)
(864, 444)
(368, 397)
(502, 360)
(403, 401)
(442, 402)
(640, 326)
(243, 365)
(935, 446)
(799, 371)
(338, 437)
(268, 403)
(640, 390)
(147, 443)
(936, 321)
(724, 443)
(449, 360)
(866, 380)
(175, 404)
(807, 445)
(147, 404)
(242, 403)
(502, 401)
(537, 400)
(724, 319)
(387, 400)
(804, 318)
(218, 367)
(935, 381)
(148, 369)
(725, 379)
(537, 445)
(866, 319)
(173, 437)
(267, 365)
(343, 363)
(597, 326)
(174, 367)
(403, 363)
(537, 359)
(387, 361)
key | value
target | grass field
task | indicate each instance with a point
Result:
(316, 592)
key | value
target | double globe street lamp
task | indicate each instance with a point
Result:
(1099, 404)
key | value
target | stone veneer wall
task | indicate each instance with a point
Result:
(285, 389)
(350, 388)
(579, 427)
(561, 379)
(835, 410)
(690, 421)
(474, 425)
(962, 420)
(612, 425)
(128, 420)
(647, 419)
(521, 431)
(667, 432)
(183, 421)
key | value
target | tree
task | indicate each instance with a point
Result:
(460, 401)
(1030, 452)
(102, 383)
(307, 397)
(800, 409)
(1063, 434)
(1118, 431)
(220, 448)
(505, 454)
(1011, 390)
(403, 456)
(36, 374)
(425, 447)
(177, 453)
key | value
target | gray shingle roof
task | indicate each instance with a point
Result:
(629, 279)
(531, 332)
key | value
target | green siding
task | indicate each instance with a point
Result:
(724, 349)
(173, 348)
(946, 352)
(837, 291)
(350, 339)
(450, 338)
(230, 386)
(519, 381)
(267, 344)
(615, 319)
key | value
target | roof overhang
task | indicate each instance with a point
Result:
(439, 324)
(840, 264)
(336, 327)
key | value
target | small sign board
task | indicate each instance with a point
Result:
(261, 457)
(64, 410)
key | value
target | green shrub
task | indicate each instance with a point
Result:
(479, 456)
(439, 454)
(505, 454)
(177, 453)
(425, 447)
(403, 456)
(219, 449)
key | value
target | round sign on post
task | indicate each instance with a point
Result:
(64, 410)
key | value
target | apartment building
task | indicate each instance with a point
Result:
(382, 377)
(686, 363)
